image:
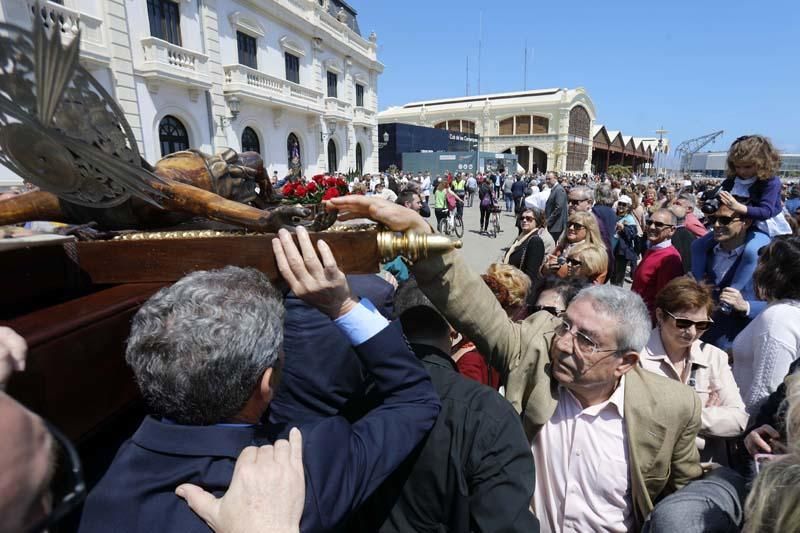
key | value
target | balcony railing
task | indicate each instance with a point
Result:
(69, 22)
(249, 82)
(364, 116)
(170, 62)
(337, 108)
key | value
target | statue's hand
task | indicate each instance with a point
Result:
(291, 216)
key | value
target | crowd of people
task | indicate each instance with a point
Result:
(629, 365)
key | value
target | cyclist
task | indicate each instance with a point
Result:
(444, 198)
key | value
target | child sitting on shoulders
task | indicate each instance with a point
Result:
(751, 189)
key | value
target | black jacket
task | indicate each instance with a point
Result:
(529, 256)
(474, 471)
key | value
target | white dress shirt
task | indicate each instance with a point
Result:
(582, 472)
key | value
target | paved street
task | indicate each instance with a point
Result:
(481, 250)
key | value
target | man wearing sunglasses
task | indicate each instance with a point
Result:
(608, 437)
(719, 266)
(661, 263)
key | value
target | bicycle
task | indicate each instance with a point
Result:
(494, 221)
(452, 223)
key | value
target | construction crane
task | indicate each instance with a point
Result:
(688, 148)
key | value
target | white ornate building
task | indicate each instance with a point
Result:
(549, 129)
(283, 77)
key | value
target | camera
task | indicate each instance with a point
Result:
(711, 201)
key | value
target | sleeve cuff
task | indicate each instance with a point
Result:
(362, 323)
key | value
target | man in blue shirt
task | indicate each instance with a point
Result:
(206, 353)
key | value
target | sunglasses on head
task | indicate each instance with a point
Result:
(657, 224)
(575, 226)
(555, 311)
(723, 220)
(685, 323)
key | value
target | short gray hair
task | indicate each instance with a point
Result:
(603, 195)
(627, 308)
(200, 347)
(585, 192)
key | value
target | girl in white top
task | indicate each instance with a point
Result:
(763, 351)
(683, 309)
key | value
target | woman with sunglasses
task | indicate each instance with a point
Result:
(587, 261)
(683, 309)
(767, 346)
(581, 227)
(528, 250)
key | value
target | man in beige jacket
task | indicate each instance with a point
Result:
(608, 438)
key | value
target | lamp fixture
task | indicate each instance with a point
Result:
(385, 140)
(329, 133)
(233, 105)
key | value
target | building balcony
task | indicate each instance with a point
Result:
(337, 109)
(363, 117)
(95, 51)
(248, 83)
(170, 63)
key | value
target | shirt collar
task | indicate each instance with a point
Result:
(662, 244)
(616, 401)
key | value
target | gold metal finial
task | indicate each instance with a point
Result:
(413, 246)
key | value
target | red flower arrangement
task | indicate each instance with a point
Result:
(319, 189)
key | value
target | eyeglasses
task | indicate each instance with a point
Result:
(576, 202)
(658, 225)
(685, 323)
(67, 488)
(580, 341)
(527, 219)
(576, 226)
(574, 262)
(723, 220)
(555, 311)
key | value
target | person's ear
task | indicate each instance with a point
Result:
(626, 362)
(659, 316)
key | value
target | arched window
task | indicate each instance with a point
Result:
(441, 125)
(580, 125)
(332, 159)
(295, 162)
(359, 160)
(172, 135)
(250, 141)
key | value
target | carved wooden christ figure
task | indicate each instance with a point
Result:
(228, 187)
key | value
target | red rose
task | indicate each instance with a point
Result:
(340, 182)
(288, 189)
(319, 178)
(300, 191)
(330, 193)
(311, 187)
(330, 181)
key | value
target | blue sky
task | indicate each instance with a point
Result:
(692, 66)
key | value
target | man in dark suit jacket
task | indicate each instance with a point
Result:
(206, 355)
(314, 387)
(555, 209)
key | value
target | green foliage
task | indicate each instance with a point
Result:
(392, 169)
(619, 171)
